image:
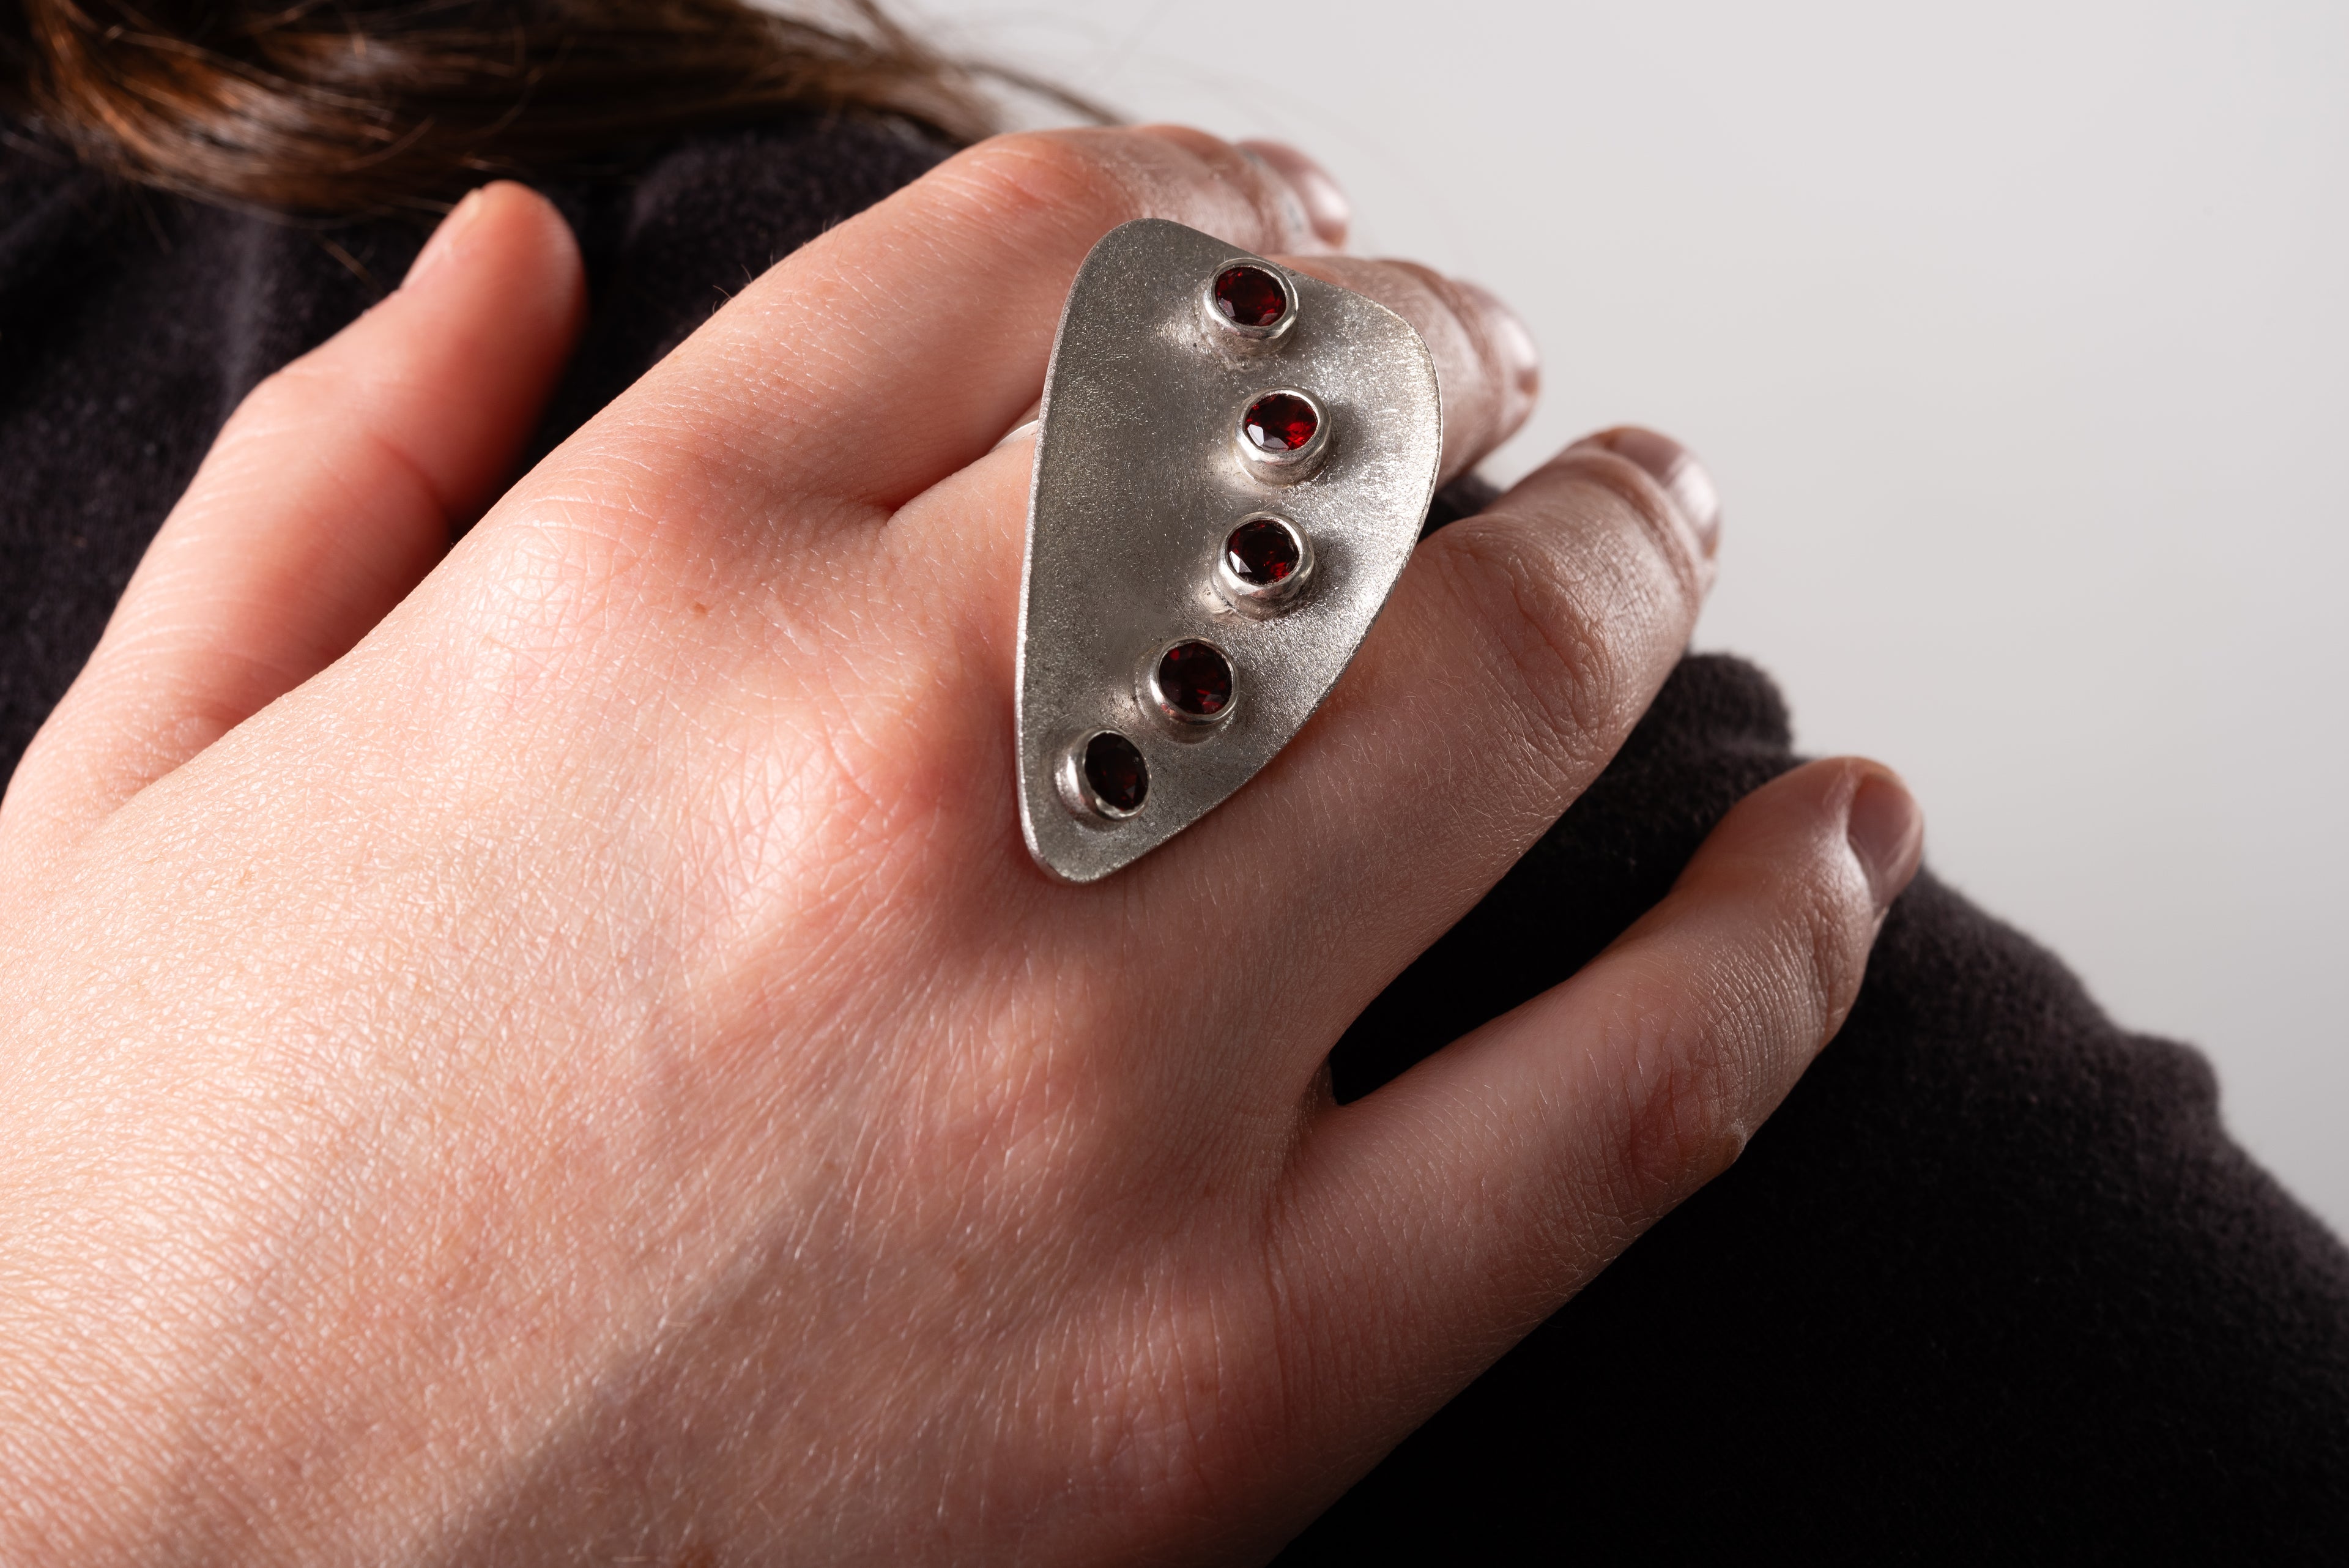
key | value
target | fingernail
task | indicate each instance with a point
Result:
(1674, 467)
(1886, 829)
(1519, 355)
(443, 242)
(1326, 207)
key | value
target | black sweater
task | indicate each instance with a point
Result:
(1994, 1283)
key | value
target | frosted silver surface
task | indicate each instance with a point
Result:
(1137, 483)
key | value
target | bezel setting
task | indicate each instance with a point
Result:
(1288, 466)
(1243, 332)
(1158, 699)
(1076, 786)
(1262, 601)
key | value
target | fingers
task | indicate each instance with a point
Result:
(1458, 1206)
(1518, 651)
(332, 490)
(1485, 361)
(968, 535)
(1325, 210)
(899, 347)
(1675, 468)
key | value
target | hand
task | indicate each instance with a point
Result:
(561, 1044)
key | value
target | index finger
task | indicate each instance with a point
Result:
(895, 349)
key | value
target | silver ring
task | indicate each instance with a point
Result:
(1282, 434)
(1231, 464)
(1264, 565)
(1249, 302)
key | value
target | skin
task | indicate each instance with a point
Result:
(553, 1049)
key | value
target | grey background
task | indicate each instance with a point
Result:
(2017, 338)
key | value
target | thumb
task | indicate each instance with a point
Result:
(331, 491)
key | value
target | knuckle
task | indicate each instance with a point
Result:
(1391, 280)
(1437, 295)
(1050, 177)
(1421, 295)
(1087, 181)
(1705, 1067)
(1645, 513)
(288, 396)
(1210, 150)
(1830, 921)
(1705, 1034)
(1248, 200)
(1786, 991)
(1547, 642)
(1695, 1089)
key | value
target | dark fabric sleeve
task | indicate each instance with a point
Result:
(1994, 1285)
(132, 324)
(666, 248)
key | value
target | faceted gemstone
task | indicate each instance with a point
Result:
(1250, 295)
(1114, 768)
(1262, 552)
(1279, 422)
(1194, 677)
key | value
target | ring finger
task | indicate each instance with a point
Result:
(1518, 651)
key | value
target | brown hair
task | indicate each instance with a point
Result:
(374, 105)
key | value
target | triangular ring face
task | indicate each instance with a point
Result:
(1232, 467)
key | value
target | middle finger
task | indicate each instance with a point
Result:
(1486, 362)
(964, 538)
(1521, 647)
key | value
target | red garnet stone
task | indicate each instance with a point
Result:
(1249, 296)
(1279, 422)
(1262, 552)
(1194, 679)
(1115, 771)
